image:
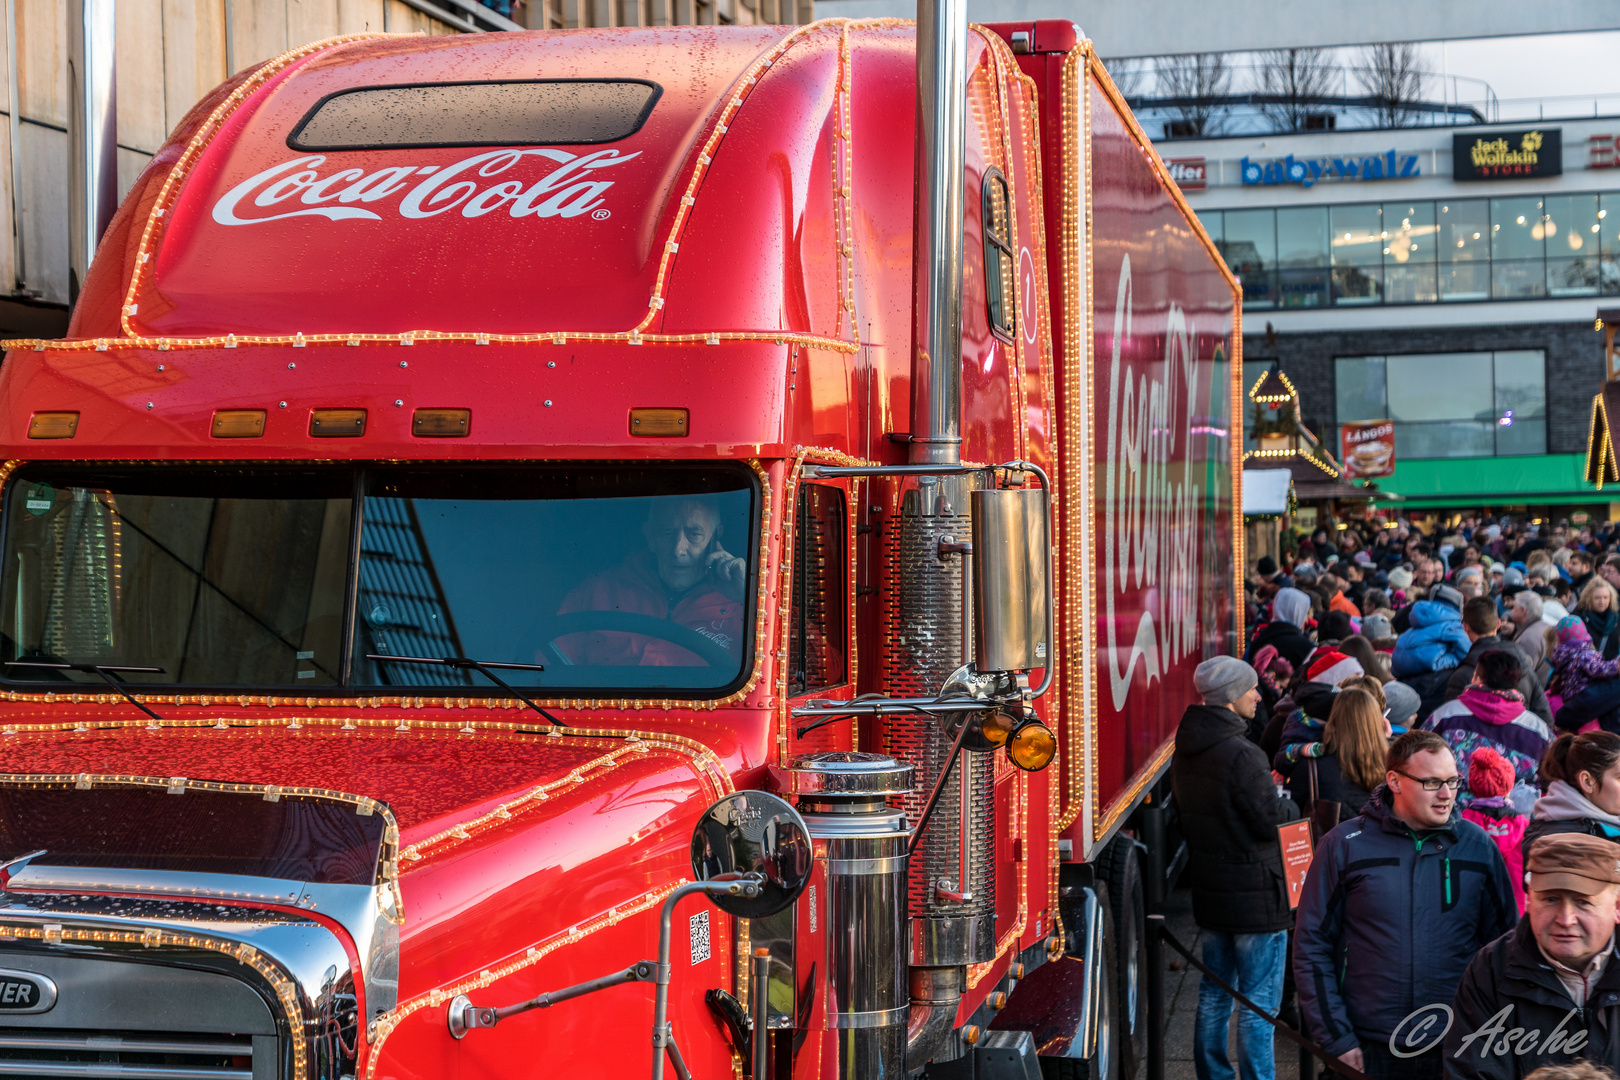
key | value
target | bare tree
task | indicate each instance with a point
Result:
(1128, 75)
(1192, 82)
(1293, 82)
(1389, 74)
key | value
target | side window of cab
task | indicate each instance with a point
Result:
(998, 255)
(818, 607)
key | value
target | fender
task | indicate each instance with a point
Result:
(1058, 1002)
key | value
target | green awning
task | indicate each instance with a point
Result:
(1549, 479)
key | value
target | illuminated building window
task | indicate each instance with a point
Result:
(1448, 405)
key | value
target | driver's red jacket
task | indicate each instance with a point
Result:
(634, 586)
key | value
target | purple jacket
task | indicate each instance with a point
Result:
(1576, 663)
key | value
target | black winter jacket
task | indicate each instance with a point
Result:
(1535, 699)
(1331, 785)
(1390, 919)
(1229, 810)
(1510, 973)
(1292, 643)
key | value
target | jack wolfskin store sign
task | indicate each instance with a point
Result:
(1502, 155)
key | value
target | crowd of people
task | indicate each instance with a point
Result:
(1444, 711)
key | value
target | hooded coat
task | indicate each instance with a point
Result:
(1229, 810)
(1511, 973)
(1535, 699)
(1436, 641)
(1290, 609)
(1482, 718)
(1374, 889)
(1565, 810)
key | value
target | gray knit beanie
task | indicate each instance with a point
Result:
(1221, 680)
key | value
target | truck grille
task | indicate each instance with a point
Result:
(144, 1056)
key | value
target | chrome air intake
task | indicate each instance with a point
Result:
(175, 989)
(951, 882)
(860, 845)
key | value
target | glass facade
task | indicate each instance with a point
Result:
(1422, 251)
(1449, 405)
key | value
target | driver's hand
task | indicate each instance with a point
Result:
(730, 571)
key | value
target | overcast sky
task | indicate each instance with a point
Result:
(1540, 66)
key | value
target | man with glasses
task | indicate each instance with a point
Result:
(1397, 902)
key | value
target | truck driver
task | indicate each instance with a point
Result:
(684, 576)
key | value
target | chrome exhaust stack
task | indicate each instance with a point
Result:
(927, 621)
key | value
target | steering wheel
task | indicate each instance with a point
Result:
(631, 622)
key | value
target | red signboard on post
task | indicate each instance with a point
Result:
(1295, 838)
(1367, 448)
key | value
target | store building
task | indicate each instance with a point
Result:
(1443, 277)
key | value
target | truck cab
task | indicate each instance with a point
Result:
(496, 515)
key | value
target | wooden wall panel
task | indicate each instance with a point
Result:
(193, 53)
(142, 91)
(359, 16)
(44, 204)
(42, 60)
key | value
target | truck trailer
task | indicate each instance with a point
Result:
(611, 552)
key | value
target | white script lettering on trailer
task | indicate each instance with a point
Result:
(1151, 509)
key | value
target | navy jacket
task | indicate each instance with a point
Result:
(1389, 921)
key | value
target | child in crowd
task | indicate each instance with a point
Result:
(1437, 640)
(1577, 665)
(1490, 778)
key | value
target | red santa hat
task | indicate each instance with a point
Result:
(1333, 667)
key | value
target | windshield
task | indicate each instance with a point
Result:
(596, 579)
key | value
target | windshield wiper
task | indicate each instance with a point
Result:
(482, 666)
(103, 670)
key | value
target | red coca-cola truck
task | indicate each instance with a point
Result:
(596, 553)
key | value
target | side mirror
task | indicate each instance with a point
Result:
(753, 832)
(1011, 591)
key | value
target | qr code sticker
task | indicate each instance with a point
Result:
(700, 937)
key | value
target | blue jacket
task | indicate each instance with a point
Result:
(1436, 641)
(1375, 890)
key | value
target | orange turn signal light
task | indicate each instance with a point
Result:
(441, 423)
(337, 423)
(238, 423)
(53, 425)
(996, 726)
(1032, 746)
(659, 423)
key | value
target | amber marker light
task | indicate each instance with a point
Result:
(441, 423)
(1032, 745)
(659, 423)
(53, 425)
(996, 726)
(238, 423)
(337, 423)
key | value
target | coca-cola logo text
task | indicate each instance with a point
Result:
(571, 188)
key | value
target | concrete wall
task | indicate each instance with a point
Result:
(1574, 365)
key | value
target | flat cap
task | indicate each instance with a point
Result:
(1573, 861)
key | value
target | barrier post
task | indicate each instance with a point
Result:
(1155, 991)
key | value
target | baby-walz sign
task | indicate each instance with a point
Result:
(1306, 172)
